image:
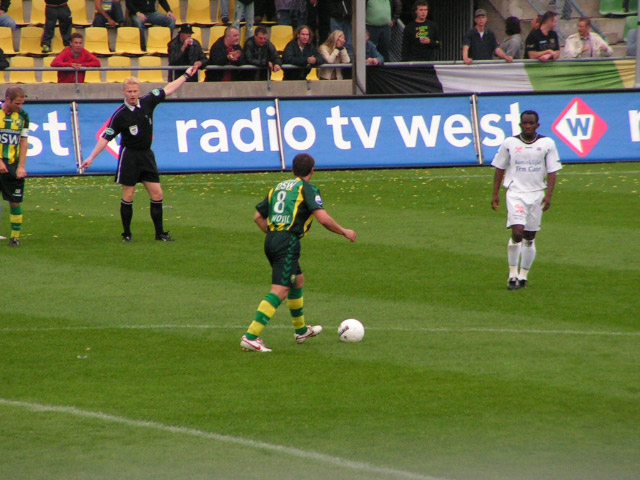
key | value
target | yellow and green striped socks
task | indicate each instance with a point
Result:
(15, 217)
(295, 301)
(266, 310)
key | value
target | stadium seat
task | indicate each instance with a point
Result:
(49, 76)
(197, 35)
(96, 40)
(17, 12)
(614, 7)
(157, 40)
(199, 12)
(93, 76)
(631, 23)
(30, 38)
(175, 9)
(313, 74)
(79, 12)
(219, 15)
(20, 61)
(277, 76)
(281, 35)
(215, 33)
(37, 12)
(6, 41)
(153, 76)
(118, 76)
(128, 41)
(56, 45)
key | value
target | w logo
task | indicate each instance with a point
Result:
(579, 127)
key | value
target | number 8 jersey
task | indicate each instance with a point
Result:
(289, 206)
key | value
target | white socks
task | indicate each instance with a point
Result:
(523, 253)
(513, 257)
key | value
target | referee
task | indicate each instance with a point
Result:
(136, 162)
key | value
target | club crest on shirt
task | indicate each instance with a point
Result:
(156, 92)
(318, 199)
(133, 129)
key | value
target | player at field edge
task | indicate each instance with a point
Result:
(521, 165)
(14, 141)
(136, 161)
(285, 216)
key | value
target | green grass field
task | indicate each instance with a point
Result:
(122, 361)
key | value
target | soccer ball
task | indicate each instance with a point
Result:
(351, 330)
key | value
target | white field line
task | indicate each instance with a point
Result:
(320, 181)
(515, 331)
(245, 442)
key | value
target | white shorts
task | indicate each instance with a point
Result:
(525, 209)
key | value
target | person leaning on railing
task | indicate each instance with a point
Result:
(333, 50)
(301, 53)
(261, 53)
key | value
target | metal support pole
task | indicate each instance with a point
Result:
(637, 84)
(358, 29)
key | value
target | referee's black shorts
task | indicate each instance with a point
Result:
(136, 166)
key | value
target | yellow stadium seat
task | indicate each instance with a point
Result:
(6, 41)
(199, 12)
(30, 38)
(79, 12)
(20, 61)
(197, 35)
(313, 74)
(175, 9)
(128, 41)
(16, 11)
(96, 40)
(49, 76)
(281, 35)
(157, 40)
(93, 76)
(277, 76)
(37, 12)
(152, 76)
(215, 33)
(118, 76)
(56, 45)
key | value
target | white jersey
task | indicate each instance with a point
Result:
(527, 163)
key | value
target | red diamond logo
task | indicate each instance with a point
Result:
(112, 147)
(579, 127)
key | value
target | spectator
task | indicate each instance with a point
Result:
(4, 63)
(512, 45)
(381, 15)
(585, 43)
(244, 9)
(543, 44)
(75, 56)
(56, 12)
(480, 43)
(333, 51)
(632, 42)
(108, 12)
(340, 14)
(261, 53)
(420, 37)
(263, 9)
(301, 53)
(371, 54)
(185, 50)
(5, 19)
(144, 11)
(225, 51)
(536, 22)
(290, 12)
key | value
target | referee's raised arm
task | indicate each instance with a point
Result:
(177, 83)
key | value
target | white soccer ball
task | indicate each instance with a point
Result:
(351, 330)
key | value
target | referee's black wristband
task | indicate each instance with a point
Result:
(186, 75)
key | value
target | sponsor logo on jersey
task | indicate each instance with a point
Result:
(579, 127)
(156, 92)
(112, 147)
(9, 137)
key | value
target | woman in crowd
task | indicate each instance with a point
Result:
(333, 51)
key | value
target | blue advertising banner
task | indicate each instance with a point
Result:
(587, 127)
(379, 132)
(195, 136)
(50, 139)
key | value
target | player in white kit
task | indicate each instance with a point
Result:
(522, 165)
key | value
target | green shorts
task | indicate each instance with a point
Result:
(12, 187)
(283, 252)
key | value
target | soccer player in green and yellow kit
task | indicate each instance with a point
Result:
(14, 133)
(285, 215)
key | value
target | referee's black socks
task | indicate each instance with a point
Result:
(126, 214)
(156, 215)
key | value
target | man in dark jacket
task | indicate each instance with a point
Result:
(185, 50)
(226, 51)
(261, 53)
(301, 53)
(420, 38)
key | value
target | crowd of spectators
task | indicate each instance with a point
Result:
(322, 35)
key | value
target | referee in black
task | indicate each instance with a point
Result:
(136, 162)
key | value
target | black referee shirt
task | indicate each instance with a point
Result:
(135, 124)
